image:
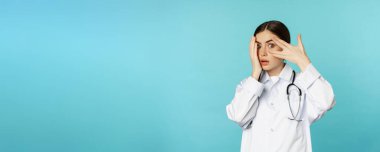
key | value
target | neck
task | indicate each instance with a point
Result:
(276, 71)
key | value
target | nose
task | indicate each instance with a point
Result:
(263, 51)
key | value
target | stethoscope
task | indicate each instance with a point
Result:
(294, 117)
(299, 98)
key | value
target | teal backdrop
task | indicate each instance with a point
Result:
(144, 75)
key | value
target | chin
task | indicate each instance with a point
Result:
(266, 68)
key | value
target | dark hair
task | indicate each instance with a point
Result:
(276, 27)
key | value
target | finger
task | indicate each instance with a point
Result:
(277, 52)
(252, 44)
(300, 41)
(253, 39)
(278, 43)
(283, 42)
(255, 50)
(281, 56)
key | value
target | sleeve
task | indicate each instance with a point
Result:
(243, 106)
(319, 94)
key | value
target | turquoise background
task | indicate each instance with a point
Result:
(113, 75)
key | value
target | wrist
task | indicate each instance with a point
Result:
(302, 64)
(256, 74)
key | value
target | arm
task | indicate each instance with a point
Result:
(244, 105)
(318, 91)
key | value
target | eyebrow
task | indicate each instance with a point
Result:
(265, 42)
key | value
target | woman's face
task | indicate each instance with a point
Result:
(264, 44)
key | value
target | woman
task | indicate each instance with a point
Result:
(276, 106)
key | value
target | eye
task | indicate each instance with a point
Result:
(271, 45)
(258, 46)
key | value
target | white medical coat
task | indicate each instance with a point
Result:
(262, 110)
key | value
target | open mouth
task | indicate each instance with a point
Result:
(264, 62)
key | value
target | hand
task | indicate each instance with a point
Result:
(295, 54)
(253, 53)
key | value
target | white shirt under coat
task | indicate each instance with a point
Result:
(265, 123)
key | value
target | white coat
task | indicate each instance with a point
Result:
(262, 110)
